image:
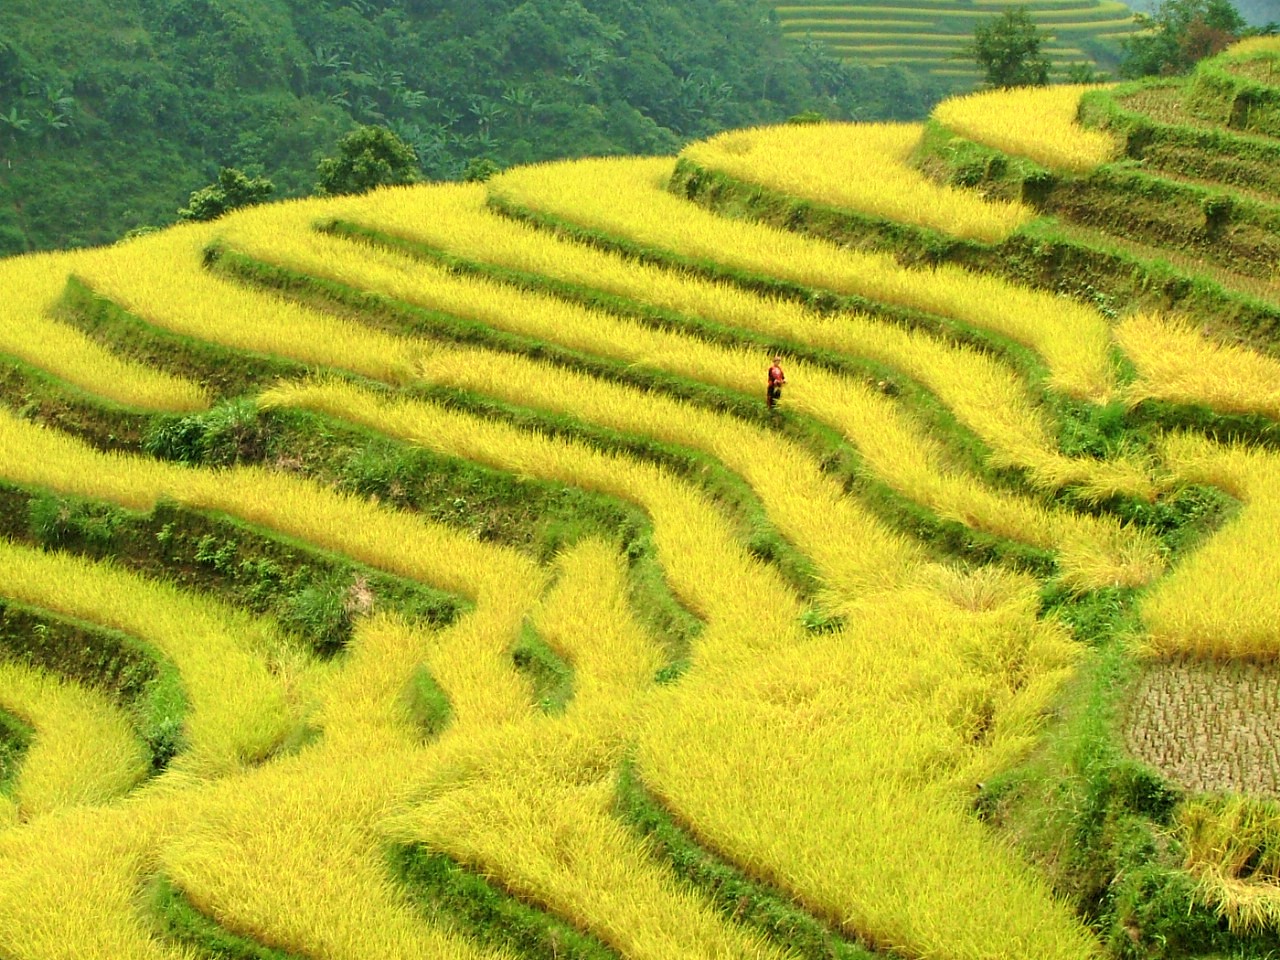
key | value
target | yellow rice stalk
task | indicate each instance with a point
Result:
(850, 547)
(530, 805)
(1208, 606)
(1180, 364)
(985, 394)
(858, 166)
(290, 856)
(956, 497)
(161, 279)
(69, 885)
(497, 578)
(84, 750)
(32, 285)
(726, 628)
(838, 770)
(550, 839)
(293, 854)
(626, 197)
(285, 854)
(1035, 122)
(1232, 846)
(587, 620)
(390, 540)
(1097, 552)
(214, 648)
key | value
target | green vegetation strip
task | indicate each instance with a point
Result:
(1251, 162)
(831, 449)
(38, 396)
(427, 704)
(731, 892)
(313, 593)
(15, 738)
(1099, 823)
(550, 675)
(1102, 272)
(441, 888)
(819, 299)
(695, 466)
(306, 589)
(181, 921)
(1085, 430)
(139, 679)
(224, 373)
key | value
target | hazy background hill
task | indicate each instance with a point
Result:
(111, 113)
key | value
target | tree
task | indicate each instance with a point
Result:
(1007, 49)
(1178, 35)
(368, 157)
(232, 189)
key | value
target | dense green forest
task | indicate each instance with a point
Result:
(113, 111)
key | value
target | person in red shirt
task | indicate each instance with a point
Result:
(776, 379)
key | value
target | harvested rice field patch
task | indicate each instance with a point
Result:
(1209, 727)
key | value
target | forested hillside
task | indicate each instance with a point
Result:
(112, 112)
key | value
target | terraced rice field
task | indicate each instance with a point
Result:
(927, 35)
(379, 570)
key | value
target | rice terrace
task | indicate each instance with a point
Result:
(422, 574)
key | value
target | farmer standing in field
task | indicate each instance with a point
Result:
(776, 379)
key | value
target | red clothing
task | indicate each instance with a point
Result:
(776, 377)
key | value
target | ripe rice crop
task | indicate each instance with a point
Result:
(387, 539)
(716, 574)
(862, 167)
(1094, 552)
(706, 568)
(1231, 850)
(625, 197)
(32, 285)
(533, 815)
(985, 395)
(84, 750)
(1035, 122)
(94, 858)
(1178, 363)
(768, 764)
(210, 307)
(1205, 607)
(827, 749)
(214, 648)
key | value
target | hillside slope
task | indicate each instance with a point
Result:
(112, 113)
(927, 35)
(427, 575)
